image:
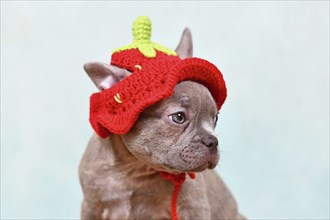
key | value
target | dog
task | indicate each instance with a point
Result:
(120, 175)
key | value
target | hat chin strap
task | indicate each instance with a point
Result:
(177, 180)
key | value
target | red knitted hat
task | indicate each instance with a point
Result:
(155, 72)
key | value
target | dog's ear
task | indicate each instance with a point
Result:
(105, 76)
(185, 47)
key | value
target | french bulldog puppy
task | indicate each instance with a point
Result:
(120, 175)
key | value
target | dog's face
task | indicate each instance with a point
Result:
(177, 134)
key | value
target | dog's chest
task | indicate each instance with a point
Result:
(136, 201)
(152, 200)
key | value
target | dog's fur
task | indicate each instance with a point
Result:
(120, 176)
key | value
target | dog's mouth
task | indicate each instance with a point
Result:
(184, 168)
(208, 165)
(197, 158)
(176, 170)
(188, 166)
(203, 167)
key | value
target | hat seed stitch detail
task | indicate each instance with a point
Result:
(117, 98)
(139, 67)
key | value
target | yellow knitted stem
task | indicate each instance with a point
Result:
(142, 39)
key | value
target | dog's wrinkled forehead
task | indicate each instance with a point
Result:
(190, 95)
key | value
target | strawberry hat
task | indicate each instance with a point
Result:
(156, 70)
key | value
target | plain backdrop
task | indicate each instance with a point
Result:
(273, 128)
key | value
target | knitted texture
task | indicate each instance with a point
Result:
(177, 181)
(141, 39)
(153, 78)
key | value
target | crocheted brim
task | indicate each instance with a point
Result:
(115, 110)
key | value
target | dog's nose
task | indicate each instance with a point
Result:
(211, 142)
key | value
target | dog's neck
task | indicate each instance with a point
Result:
(119, 150)
(125, 161)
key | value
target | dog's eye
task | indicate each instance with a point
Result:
(178, 117)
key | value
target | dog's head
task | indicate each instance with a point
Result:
(176, 134)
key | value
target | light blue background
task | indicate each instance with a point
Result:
(273, 129)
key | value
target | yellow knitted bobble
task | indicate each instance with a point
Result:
(142, 39)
